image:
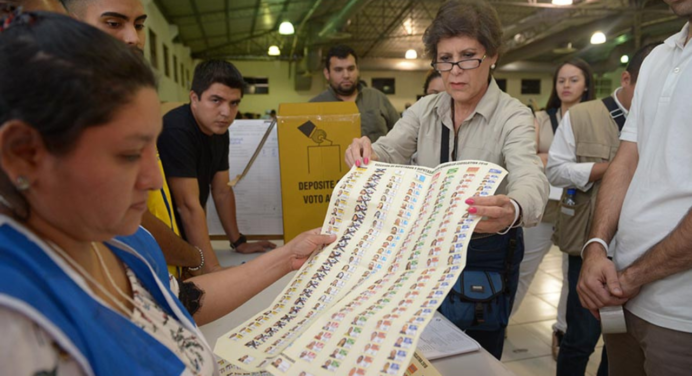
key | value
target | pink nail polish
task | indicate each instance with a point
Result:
(469, 201)
(473, 210)
(366, 160)
(357, 163)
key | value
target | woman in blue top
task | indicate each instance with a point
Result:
(84, 290)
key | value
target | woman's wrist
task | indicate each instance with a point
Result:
(517, 218)
(201, 263)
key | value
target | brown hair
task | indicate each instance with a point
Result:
(589, 94)
(432, 74)
(472, 18)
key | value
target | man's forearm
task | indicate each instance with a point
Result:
(224, 200)
(195, 225)
(613, 190)
(670, 256)
(175, 250)
(598, 171)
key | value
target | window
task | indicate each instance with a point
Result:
(531, 86)
(603, 87)
(385, 85)
(175, 69)
(153, 55)
(502, 84)
(166, 64)
(257, 85)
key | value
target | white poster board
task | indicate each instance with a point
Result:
(258, 194)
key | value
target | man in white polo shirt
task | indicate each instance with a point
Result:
(646, 197)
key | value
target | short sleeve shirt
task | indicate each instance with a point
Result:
(660, 193)
(500, 131)
(186, 152)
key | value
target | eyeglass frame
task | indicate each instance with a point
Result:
(458, 64)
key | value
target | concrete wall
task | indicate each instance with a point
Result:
(409, 84)
(281, 86)
(169, 90)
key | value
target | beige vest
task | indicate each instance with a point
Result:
(597, 139)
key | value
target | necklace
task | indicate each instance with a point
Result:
(108, 275)
(119, 305)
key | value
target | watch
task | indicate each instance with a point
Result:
(241, 240)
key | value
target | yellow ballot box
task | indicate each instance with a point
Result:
(313, 138)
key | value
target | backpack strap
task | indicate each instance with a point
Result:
(615, 111)
(444, 148)
(552, 113)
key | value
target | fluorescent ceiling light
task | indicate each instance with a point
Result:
(286, 28)
(274, 51)
(411, 54)
(598, 38)
(562, 2)
(408, 25)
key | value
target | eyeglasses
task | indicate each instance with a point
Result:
(446, 66)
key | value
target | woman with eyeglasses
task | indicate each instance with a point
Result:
(473, 119)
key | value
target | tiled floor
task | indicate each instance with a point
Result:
(527, 347)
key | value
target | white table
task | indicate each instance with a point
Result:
(479, 363)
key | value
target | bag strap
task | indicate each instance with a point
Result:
(444, 148)
(510, 256)
(552, 113)
(615, 111)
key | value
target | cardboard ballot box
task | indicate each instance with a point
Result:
(313, 138)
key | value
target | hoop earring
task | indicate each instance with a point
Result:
(22, 183)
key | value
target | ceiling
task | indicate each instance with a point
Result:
(536, 32)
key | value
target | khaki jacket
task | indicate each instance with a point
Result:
(500, 131)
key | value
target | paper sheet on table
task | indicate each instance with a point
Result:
(420, 366)
(359, 306)
(441, 339)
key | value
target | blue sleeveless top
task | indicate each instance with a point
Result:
(35, 283)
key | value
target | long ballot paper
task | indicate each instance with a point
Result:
(359, 306)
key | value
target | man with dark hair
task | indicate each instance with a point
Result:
(377, 115)
(194, 147)
(584, 144)
(123, 19)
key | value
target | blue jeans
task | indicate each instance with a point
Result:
(490, 254)
(583, 331)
